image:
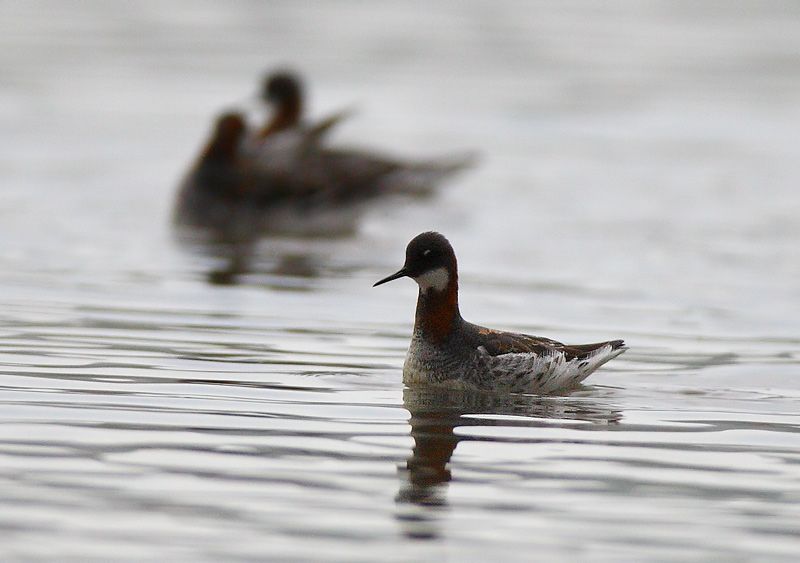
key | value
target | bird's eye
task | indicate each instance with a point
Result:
(426, 252)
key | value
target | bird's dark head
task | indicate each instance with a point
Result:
(229, 127)
(430, 261)
(282, 88)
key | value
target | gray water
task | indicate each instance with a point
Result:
(639, 180)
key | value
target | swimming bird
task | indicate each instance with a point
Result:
(447, 350)
(292, 153)
(213, 190)
(286, 178)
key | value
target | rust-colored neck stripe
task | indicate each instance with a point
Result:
(223, 145)
(437, 311)
(288, 115)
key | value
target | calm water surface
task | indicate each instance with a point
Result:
(639, 180)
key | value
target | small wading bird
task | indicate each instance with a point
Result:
(285, 179)
(445, 349)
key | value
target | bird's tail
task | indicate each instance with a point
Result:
(598, 354)
(421, 178)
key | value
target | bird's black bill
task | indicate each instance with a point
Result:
(400, 274)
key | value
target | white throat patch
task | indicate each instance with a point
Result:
(435, 279)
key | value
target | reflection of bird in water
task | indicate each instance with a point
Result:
(280, 264)
(435, 413)
(445, 349)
